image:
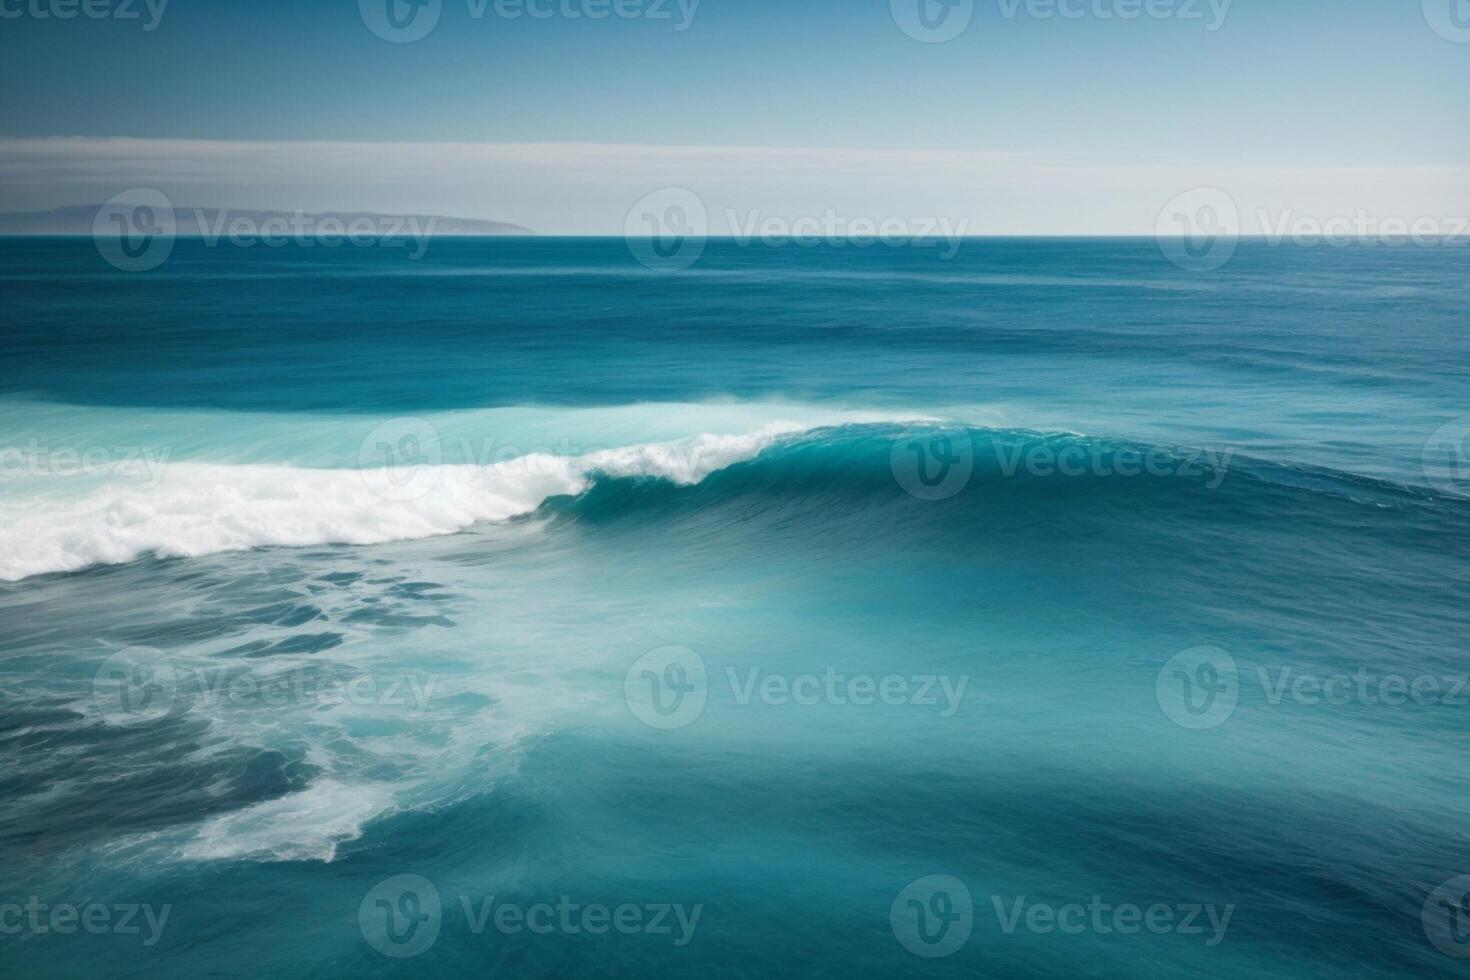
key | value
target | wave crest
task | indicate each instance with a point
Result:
(195, 509)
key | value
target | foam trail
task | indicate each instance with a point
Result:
(304, 826)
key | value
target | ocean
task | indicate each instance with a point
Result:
(518, 609)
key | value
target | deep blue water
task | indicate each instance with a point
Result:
(547, 579)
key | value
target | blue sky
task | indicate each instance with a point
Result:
(1295, 85)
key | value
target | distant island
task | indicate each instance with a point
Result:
(205, 222)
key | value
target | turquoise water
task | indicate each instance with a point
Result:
(809, 611)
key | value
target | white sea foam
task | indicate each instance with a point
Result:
(199, 508)
(304, 826)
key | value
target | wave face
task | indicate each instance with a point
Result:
(182, 509)
(597, 591)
